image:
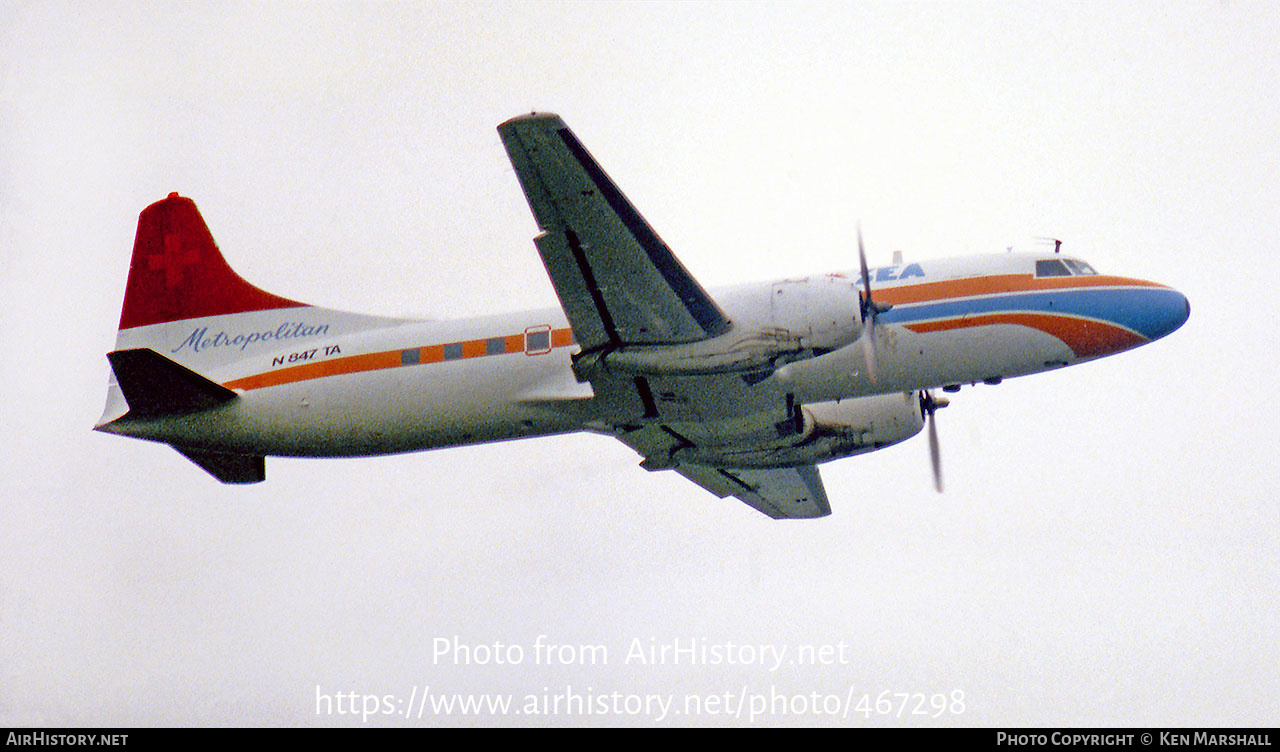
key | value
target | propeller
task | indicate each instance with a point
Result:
(928, 406)
(870, 309)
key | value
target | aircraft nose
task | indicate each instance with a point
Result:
(1167, 312)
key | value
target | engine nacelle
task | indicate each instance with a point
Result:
(830, 430)
(869, 422)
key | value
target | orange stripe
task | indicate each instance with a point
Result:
(963, 288)
(475, 348)
(350, 364)
(1085, 337)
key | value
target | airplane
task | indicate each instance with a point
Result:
(742, 390)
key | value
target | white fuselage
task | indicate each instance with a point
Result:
(316, 382)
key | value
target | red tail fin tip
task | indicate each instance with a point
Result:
(178, 273)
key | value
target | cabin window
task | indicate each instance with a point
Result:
(1079, 267)
(537, 340)
(1052, 268)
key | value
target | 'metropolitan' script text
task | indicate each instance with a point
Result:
(201, 340)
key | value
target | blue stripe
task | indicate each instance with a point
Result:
(1148, 311)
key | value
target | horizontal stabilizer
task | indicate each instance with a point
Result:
(228, 468)
(155, 386)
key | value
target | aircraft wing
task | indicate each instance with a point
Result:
(620, 284)
(781, 493)
(617, 281)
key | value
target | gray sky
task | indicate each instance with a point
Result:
(1106, 552)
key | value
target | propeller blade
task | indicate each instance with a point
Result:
(930, 405)
(868, 312)
(866, 274)
(935, 454)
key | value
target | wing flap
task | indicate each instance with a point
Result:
(578, 290)
(780, 493)
(617, 280)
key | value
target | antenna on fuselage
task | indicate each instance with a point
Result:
(1057, 244)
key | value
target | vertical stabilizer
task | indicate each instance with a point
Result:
(185, 302)
(178, 273)
(189, 325)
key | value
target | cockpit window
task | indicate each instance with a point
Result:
(1052, 268)
(1079, 267)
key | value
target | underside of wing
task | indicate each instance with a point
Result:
(760, 431)
(780, 493)
(617, 280)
